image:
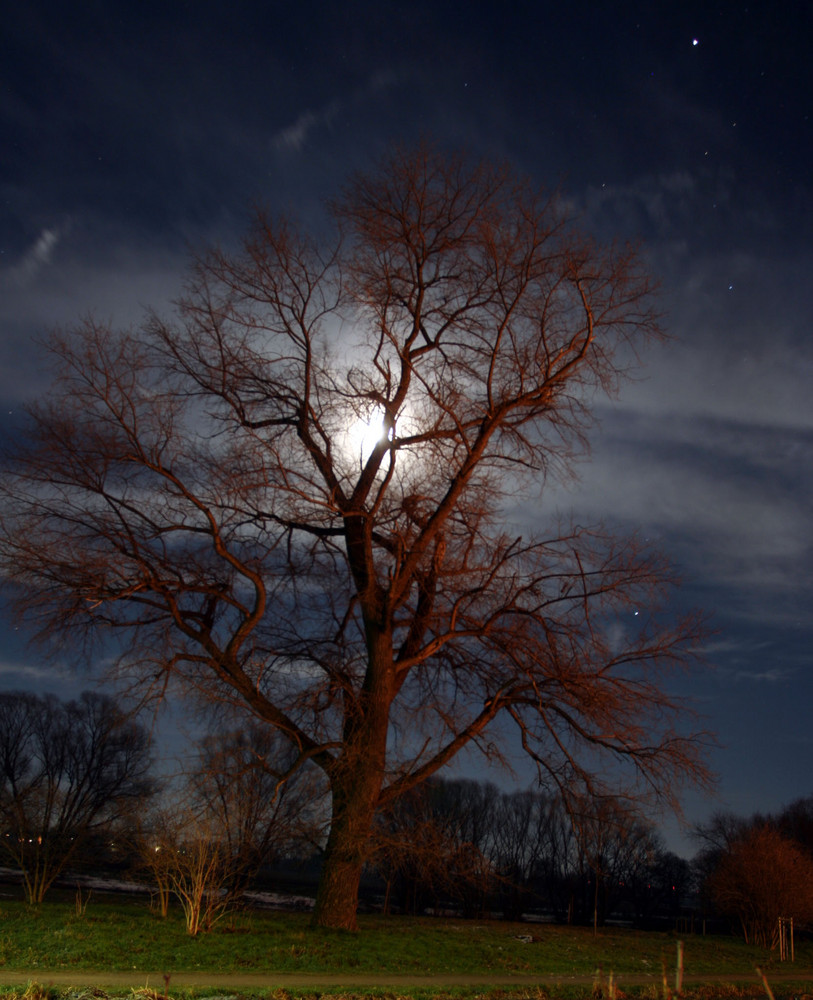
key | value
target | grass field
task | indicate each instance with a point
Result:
(114, 934)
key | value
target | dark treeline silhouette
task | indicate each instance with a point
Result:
(467, 846)
(78, 793)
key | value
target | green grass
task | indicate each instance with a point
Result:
(119, 935)
(37, 991)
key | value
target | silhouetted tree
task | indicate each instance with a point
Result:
(295, 497)
(716, 839)
(240, 803)
(67, 770)
(614, 845)
(558, 869)
(245, 788)
(430, 846)
(518, 838)
(662, 886)
(796, 822)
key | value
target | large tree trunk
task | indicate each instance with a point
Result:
(337, 898)
(355, 785)
(355, 796)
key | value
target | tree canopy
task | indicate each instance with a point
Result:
(300, 495)
(764, 877)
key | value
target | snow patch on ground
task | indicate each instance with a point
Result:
(262, 900)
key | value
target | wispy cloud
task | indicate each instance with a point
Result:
(36, 257)
(36, 298)
(20, 671)
(731, 647)
(771, 675)
(659, 202)
(293, 137)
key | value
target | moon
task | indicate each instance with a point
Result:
(363, 435)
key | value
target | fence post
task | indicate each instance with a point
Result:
(785, 929)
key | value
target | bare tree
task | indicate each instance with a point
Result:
(412, 852)
(67, 770)
(618, 847)
(297, 497)
(609, 834)
(186, 857)
(796, 821)
(716, 839)
(662, 888)
(430, 846)
(558, 867)
(233, 809)
(518, 837)
(239, 787)
(582, 858)
(762, 877)
(153, 841)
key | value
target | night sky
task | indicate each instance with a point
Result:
(132, 132)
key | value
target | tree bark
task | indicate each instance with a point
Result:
(355, 784)
(355, 796)
(337, 898)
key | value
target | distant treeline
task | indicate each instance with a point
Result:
(78, 792)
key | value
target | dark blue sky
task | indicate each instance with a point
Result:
(129, 132)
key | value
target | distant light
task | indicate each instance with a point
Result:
(695, 41)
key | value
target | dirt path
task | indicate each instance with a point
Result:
(325, 981)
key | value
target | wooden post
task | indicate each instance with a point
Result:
(595, 906)
(785, 932)
(679, 969)
(767, 988)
